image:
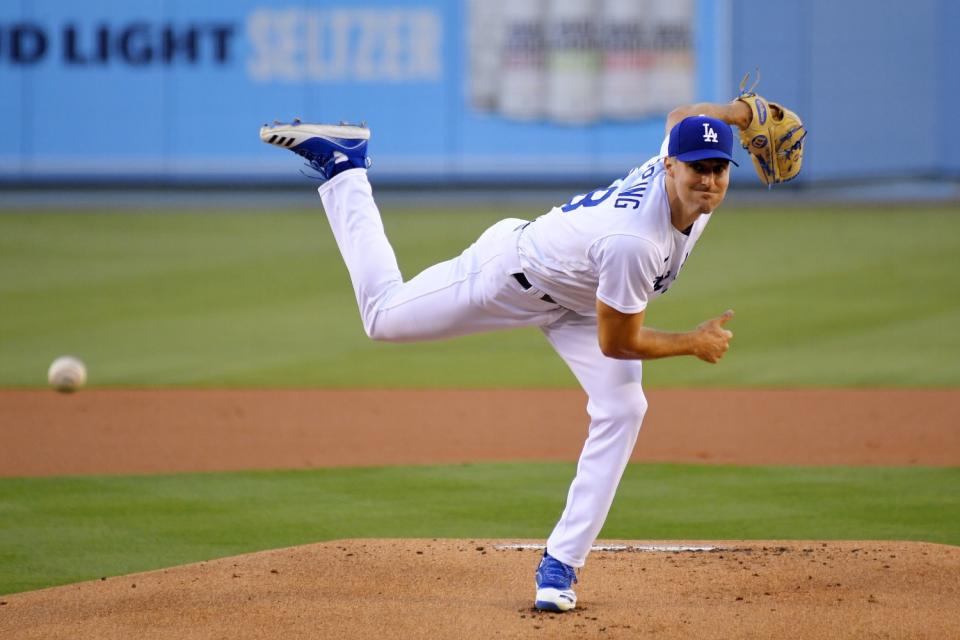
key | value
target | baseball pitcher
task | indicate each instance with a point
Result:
(583, 273)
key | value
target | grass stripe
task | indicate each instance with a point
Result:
(61, 530)
(824, 297)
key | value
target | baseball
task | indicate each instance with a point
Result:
(67, 374)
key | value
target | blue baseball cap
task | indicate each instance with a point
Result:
(700, 138)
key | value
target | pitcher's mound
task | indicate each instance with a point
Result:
(484, 589)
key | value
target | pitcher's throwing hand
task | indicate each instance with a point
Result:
(715, 340)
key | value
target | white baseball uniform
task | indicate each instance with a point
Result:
(616, 244)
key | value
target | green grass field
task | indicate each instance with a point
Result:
(61, 530)
(824, 297)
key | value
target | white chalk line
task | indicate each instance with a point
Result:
(655, 548)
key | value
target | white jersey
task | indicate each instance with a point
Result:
(615, 244)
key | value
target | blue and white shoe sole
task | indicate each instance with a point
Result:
(289, 136)
(555, 600)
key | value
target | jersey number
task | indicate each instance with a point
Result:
(591, 199)
(628, 197)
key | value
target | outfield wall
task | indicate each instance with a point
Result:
(461, 90)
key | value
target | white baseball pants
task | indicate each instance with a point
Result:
(475, 292)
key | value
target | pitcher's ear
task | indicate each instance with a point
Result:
(668, 164)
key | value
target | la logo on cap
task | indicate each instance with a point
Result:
(700, 138)
(709, 135)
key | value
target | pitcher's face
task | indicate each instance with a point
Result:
(701, 184)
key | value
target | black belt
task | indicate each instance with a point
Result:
(522, 279)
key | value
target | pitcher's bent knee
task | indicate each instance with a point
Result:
(379, 330)
(640, 409)
(624, 410)
(379, 335)
(376, 332)
(632, 411)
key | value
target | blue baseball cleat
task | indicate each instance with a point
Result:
(329, 149)
(554, 585)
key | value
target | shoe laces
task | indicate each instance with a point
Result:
(555, 572)
(322, 165)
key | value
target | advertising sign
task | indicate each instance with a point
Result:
(463, 90)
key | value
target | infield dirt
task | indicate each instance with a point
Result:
(160, 431)
(477, 589)
(473, 589)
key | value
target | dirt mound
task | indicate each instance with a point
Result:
(483, 589)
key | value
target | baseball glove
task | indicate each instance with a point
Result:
(774, 138)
